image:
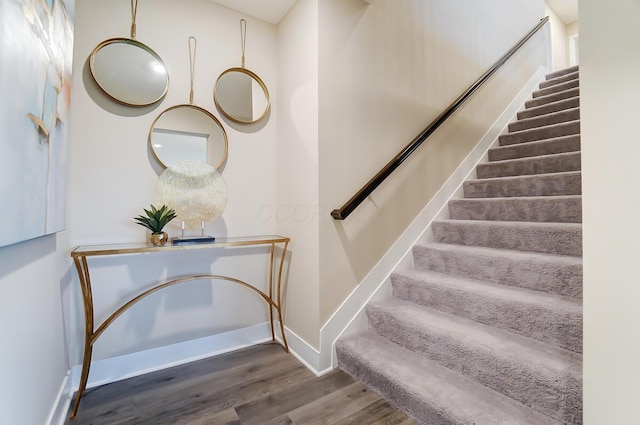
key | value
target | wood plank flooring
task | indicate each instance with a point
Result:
(259, 385)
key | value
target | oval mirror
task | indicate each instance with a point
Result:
(241, 96)
(129, 72)
(188, 133)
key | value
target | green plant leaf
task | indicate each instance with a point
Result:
(156, 218)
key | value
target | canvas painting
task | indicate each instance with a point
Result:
(36, 52)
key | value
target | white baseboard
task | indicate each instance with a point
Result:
(129, 365)
(304, 352)
(349, 316)
(59, 411)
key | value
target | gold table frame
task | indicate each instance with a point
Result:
(81, 253)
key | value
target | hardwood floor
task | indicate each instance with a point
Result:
(257, 385)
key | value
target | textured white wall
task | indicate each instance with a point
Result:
(386, 70)
(609, 87)
(113, 175)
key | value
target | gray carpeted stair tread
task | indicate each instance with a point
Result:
(551, 146)
(560, 105)
(556, 88)
(547, 119)
(553, 163)
(555, 274)
(549, 318)
(541, 376)
(554, 97)
(550, 238)
(561, 72)
(554, 184)
(560, 79)
(426, 391)
(562, 209)
(540, 133)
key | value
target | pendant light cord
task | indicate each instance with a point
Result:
(243, 37)
(192, 62)
(134, 13)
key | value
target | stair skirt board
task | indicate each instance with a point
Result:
(485, 327)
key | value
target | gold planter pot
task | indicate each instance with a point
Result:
(159, 239)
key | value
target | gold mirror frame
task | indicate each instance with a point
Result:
(248, 93)
(231, 116)
(126, 83)
(208, 114)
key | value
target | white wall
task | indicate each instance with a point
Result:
(297, 212)
(573, 43)
(113, 174)
(610, 151)
(559, 40)
(386, 70)
(33, 357)
(573, 29)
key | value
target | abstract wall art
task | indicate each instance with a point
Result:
(36, 52)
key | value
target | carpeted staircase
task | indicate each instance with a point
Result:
(486, 328)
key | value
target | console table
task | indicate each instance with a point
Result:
(80, 255)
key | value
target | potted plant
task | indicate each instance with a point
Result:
(155, 220)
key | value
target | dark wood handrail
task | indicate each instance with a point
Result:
(367, 189)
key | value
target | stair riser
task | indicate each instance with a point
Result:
(573, 102)
(530, 166)
(560, 80)
(537, 185)
(539, 101)
(541, 133)
(529, 149)
(555, 398)
(556, 88)
(555, 277)
(549, 240)
(549, 209)
(556, 327)
(544, 120)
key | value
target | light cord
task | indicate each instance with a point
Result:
(134, 13)
(243, 37)
(192, 63)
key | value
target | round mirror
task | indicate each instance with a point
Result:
(188, 133)
(241, 96)
(129, 72)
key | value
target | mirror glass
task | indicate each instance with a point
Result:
(129, 72)
(241, 96)
(188, 133)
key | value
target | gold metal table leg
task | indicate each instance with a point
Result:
(279, 297)
(87, 301)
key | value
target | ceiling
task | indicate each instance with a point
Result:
(271, 11)
(567, 10)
